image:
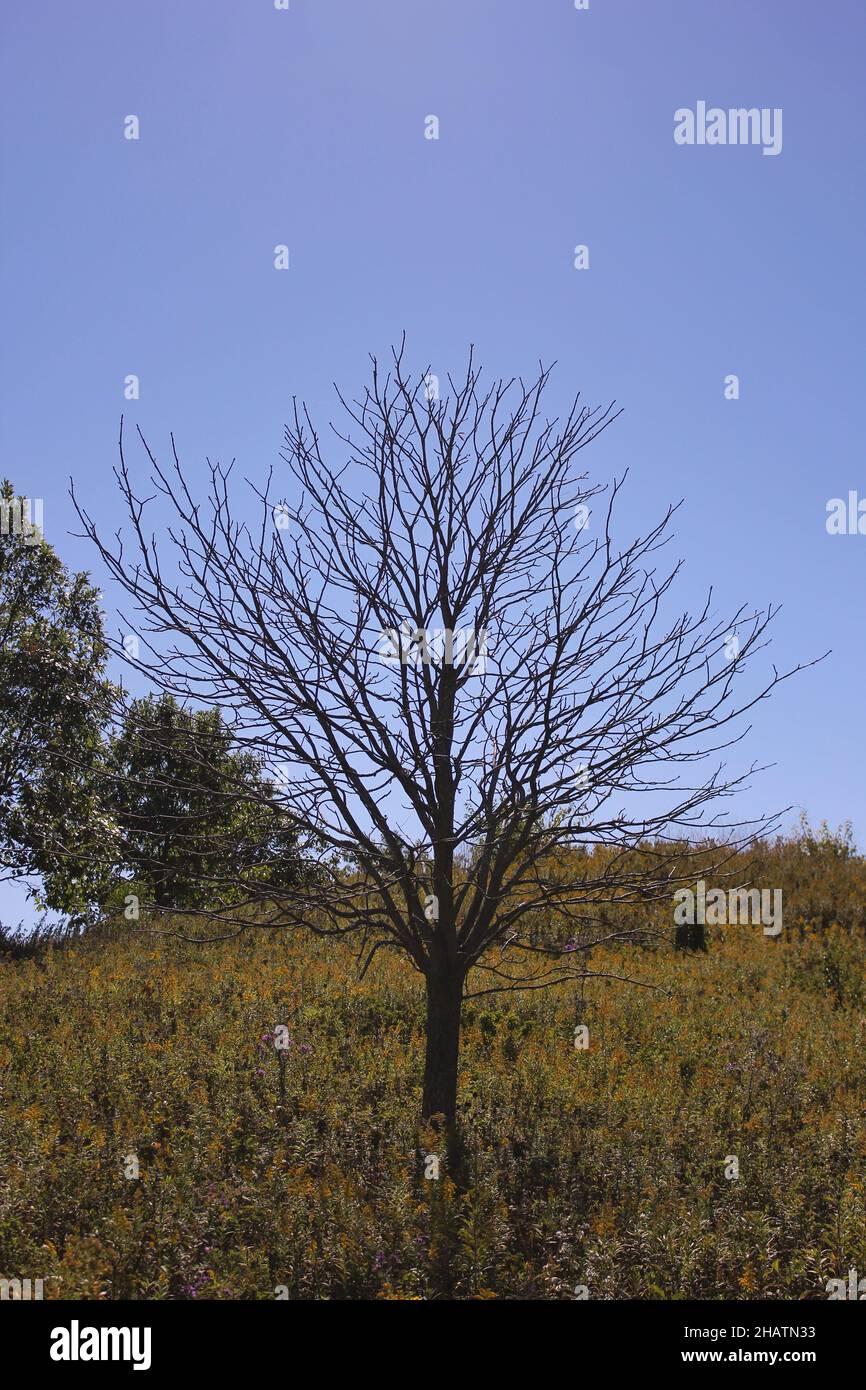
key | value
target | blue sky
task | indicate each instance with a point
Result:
(306, 127)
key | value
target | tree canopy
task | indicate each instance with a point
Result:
(54, 703)
(467, 673)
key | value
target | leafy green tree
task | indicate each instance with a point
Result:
(54, 706)
(192, 812)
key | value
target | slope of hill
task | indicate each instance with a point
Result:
(709, 1142)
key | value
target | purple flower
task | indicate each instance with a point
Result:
(195, 1286)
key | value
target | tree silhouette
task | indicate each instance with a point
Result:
(464, 674)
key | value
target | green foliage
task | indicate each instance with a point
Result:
(196, 820)
(54, 702)
(169, 807)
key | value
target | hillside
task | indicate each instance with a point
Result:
(603, 1168)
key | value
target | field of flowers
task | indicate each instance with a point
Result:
(155, 1144)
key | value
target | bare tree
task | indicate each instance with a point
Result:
(464, 674)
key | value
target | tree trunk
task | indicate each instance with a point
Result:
(444, 996)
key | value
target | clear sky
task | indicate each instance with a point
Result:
(306, 127)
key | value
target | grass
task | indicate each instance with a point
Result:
(295, 1174)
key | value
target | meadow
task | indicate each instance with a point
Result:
(604, 1172)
